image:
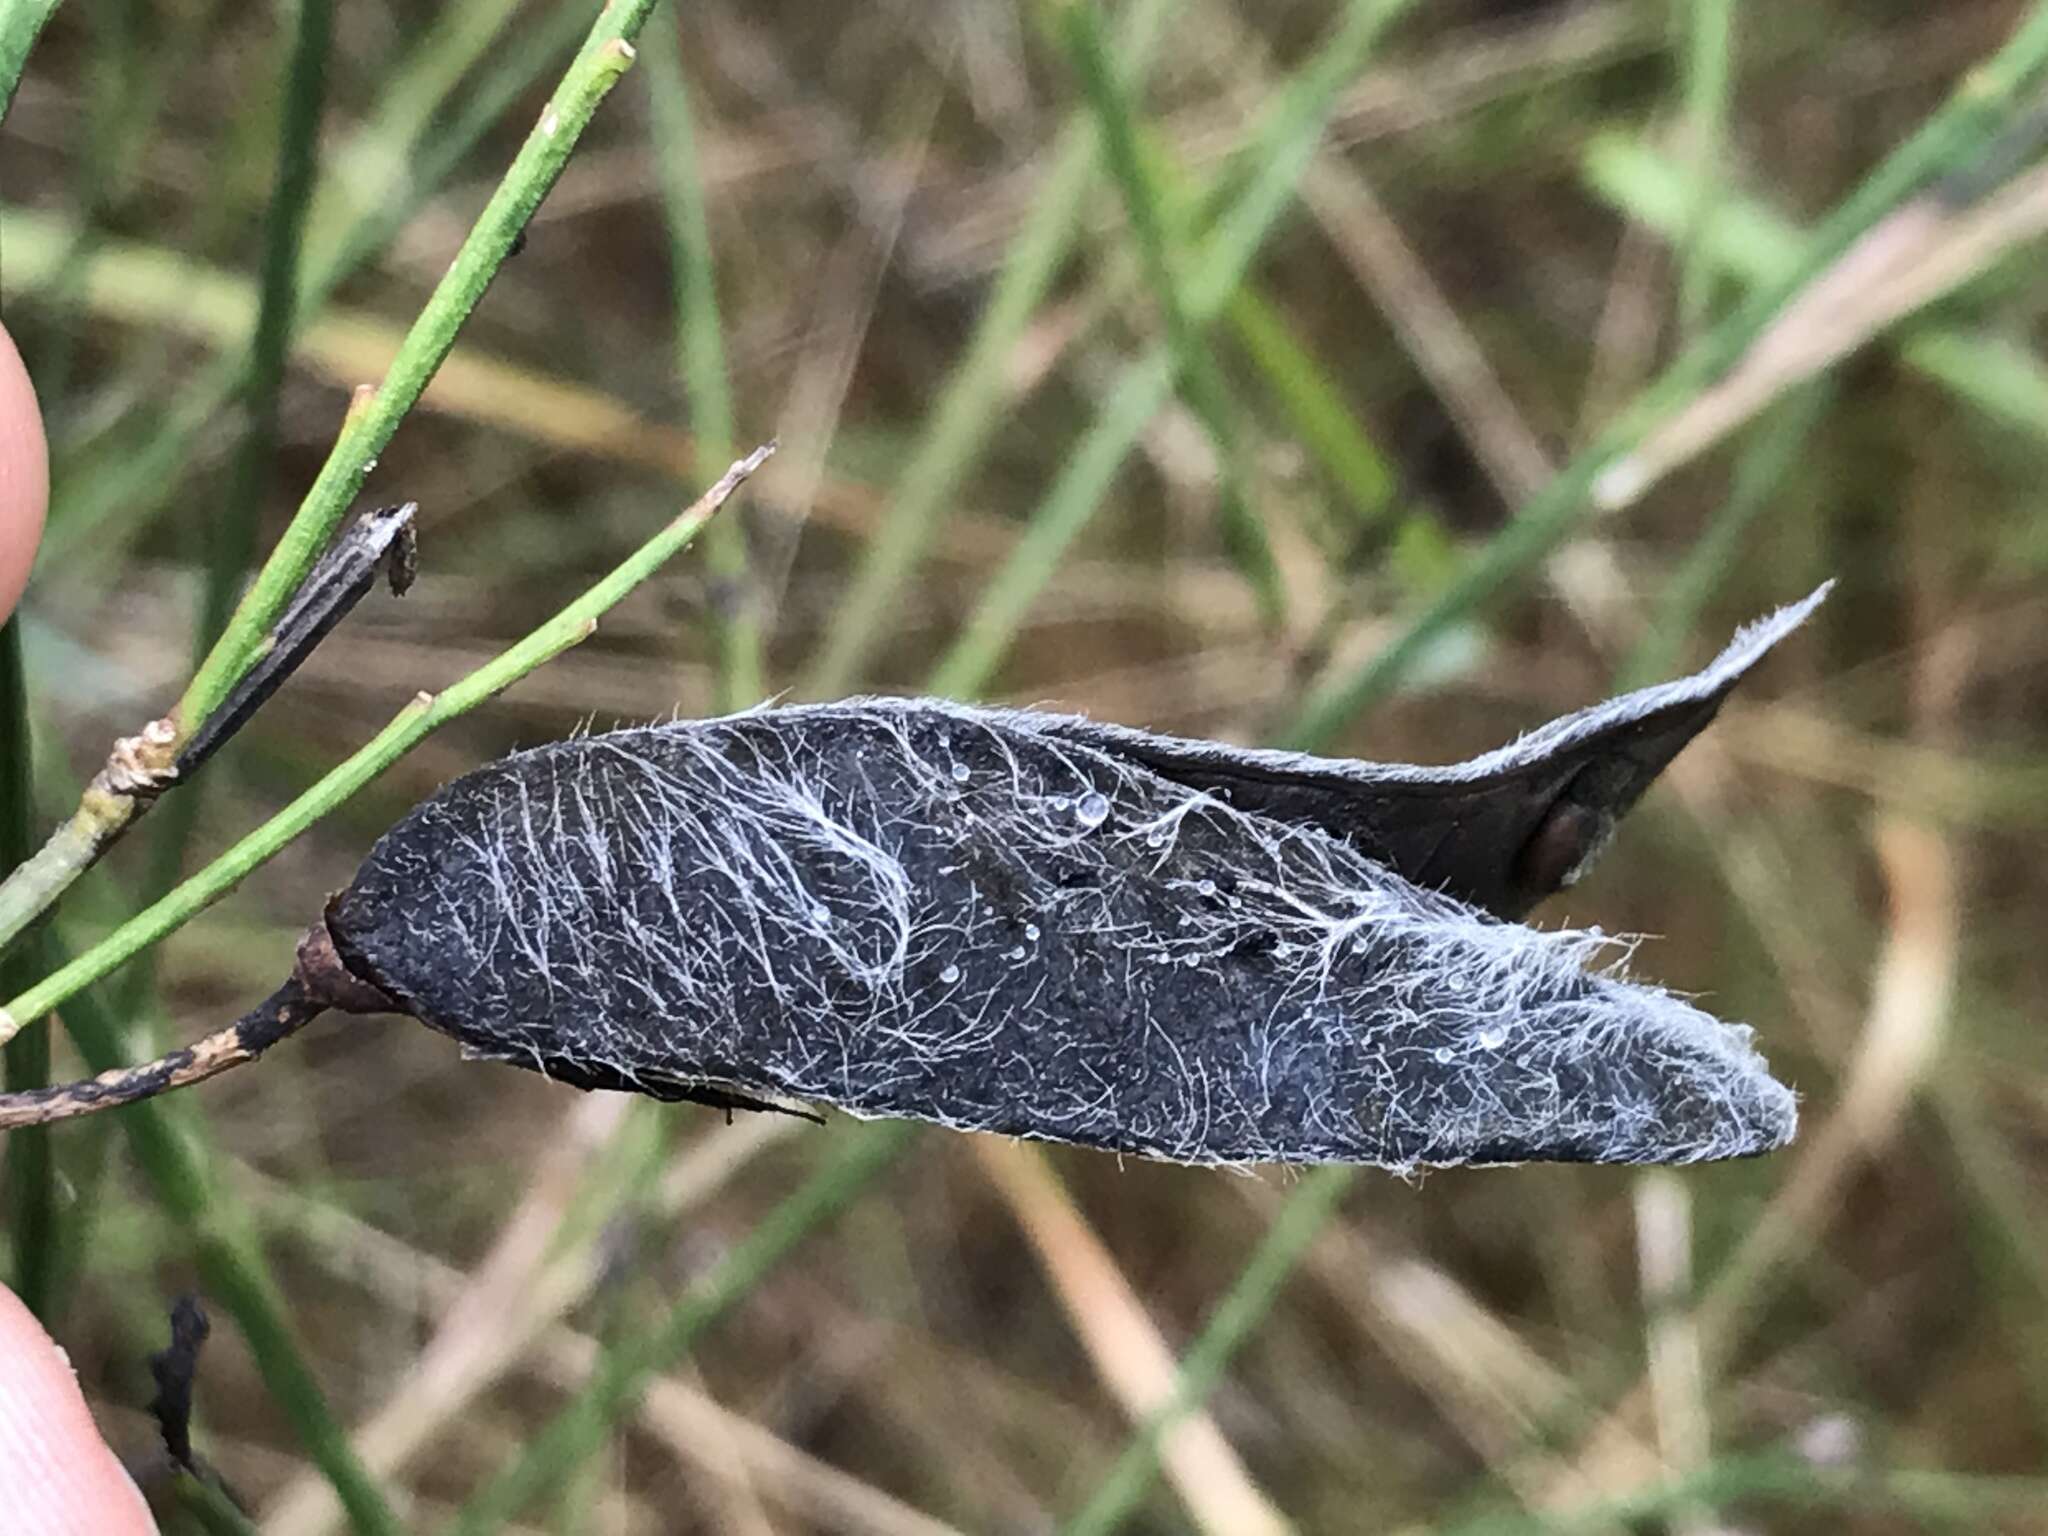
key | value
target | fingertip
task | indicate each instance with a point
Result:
(24, 475)
(56, 1475)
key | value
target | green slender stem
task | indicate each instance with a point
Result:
(1946, 140)
(970, 662)
(1283, 146)
(604, 57)
(1315, 409)
(626, 1368)
(968, 405)
(1709, 46)
(21, 23)
(1201, 379)
(1244, 1306)
(28, 1195)
(701, 345)
(426, 713)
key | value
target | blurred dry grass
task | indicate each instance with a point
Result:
(1852, 860)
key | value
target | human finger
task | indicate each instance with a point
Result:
(24, 475)
(56, 1474)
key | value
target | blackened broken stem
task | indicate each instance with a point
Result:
(141, 767)
(380, 540)
(283, 1013)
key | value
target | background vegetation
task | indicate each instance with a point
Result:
(1384, 378)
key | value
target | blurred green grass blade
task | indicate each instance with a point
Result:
(971, 660)
(28, 1193)
(1716, 555)
(1952, 136)
(21, 22)
(1709, 44)
(1242, 1309)
(1755, 244)
(582, 1427)
(231, 540)
(1744, 238)
(1201, 381)
(735, 605)
(209, 1508)
(966, 413)
(381, 160)
(1314, 408)
(1999, 377)
(1282, 147)
(171, 1152)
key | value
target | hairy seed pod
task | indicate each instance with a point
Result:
(1032, 924)
(1029, 924)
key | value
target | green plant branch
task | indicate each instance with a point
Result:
(1283, 146)
(424, 714)
(735, 604)
(1602, 473)
(119, 794)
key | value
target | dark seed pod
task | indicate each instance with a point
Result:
(1001, 920)
(1034, 925)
